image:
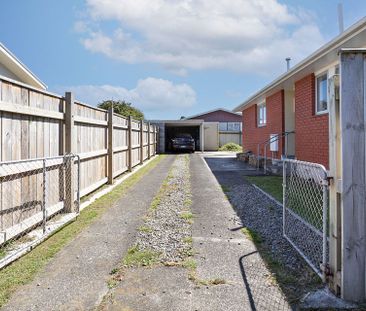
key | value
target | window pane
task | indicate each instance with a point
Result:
(233, 126)
(261, 114)
(322, 93)
(223, 126)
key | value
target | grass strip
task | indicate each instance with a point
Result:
(25, 269)
(270, 184)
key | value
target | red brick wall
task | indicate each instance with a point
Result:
(252, 135)
(311, 130)
(219, 116)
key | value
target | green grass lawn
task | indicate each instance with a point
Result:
(25, 269)
(305, 198)
(270, 184)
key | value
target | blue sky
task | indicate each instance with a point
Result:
(168, 57)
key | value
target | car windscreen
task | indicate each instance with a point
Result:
(183, 136)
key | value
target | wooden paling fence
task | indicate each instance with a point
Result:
(38, 124)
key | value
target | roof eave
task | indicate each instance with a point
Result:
(347, 34)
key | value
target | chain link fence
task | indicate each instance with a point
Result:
(305, 211)
(34, 196)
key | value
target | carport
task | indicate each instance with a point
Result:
(169, 128)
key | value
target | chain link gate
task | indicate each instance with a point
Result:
(35, 194)
(305, 211)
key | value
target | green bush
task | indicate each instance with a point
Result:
(231, 147)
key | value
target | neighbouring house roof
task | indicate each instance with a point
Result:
(353, 37)
(213, 110)
(17, 70)
(182, 122)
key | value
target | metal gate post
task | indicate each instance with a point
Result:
(284, 196)
(325, 220)
(44, 197)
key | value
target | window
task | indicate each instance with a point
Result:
(223, 126)
(234, 126)
(230, 126)
(262, 114)
(322, 93)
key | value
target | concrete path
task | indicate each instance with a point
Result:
(222, 253)
(76, 279)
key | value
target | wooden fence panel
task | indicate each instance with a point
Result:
(135, 142)
(91, 144)
(23, 136)
(120, 143)
(33, 124)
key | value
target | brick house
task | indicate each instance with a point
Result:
(294, 107)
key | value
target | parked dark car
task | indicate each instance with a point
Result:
(183, 142)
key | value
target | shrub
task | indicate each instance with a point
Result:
(231, 147)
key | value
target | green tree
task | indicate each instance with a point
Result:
(123, 108)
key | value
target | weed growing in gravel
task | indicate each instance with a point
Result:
(188, 240)
(187, 202)
(145, 229)
(252, 235)
(192, 276)
(190, 264)
(140, 258)
(225, 188)
(187, 215)
(113, 271)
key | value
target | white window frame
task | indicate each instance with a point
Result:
(324, 73)
(261, 123)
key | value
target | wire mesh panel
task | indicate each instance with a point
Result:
(33, 193)
(305, 210)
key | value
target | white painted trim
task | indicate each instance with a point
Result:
(319, 113)
(12, 59)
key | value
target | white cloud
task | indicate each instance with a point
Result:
(150, 95)
(238, 35)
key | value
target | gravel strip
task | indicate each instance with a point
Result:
(164, 230)
(262, 215)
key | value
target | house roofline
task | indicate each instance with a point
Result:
(213, 110)
(333, 44)
(22, 66)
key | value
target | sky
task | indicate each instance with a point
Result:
(169, 58)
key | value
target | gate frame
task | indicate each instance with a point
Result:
(325, 186)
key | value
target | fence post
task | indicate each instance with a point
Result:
(353, 113)
(141, 142)
(69, 148)
(154, 152)
(130, 143)
(148, 140)
(44, 203)
(335, 248)
(110, 146)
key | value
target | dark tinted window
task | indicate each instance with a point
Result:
(183, 136)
